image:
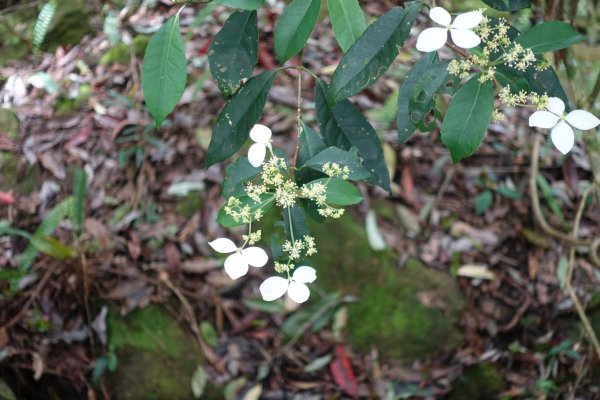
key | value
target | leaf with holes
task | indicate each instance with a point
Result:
(164, 72)
(404, 126)
(237, 118)
(233, 52)
(294, 27)
(468, 117)
(372, 54)
(348, 21)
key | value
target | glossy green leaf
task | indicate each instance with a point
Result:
(340, 192)
(550, 36)
(294, 27)
(239, 115)
(233, 52)
(164, 71)
(348, 21)
(310, 144)
(243, 4)
(266, 202)
(508, 5)
(294, 218)
(404, 126)
(345, 127)
(510, 78)
(236, 175)
(343, 158)
(372, 54)
(468, 117)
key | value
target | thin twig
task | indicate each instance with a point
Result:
(298, 112)
(578, 306)
(30, 300)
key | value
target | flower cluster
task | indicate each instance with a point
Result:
(241, 213)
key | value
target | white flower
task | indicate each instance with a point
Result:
(562, 124)
(236, 265)
(261, 135)
(276, 286)
(461, 30)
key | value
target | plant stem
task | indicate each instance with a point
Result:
(298, 113)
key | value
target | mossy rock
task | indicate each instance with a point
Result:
(408, 313)
(70, 24)
(478, 382)
(156, 356)
(121, 53)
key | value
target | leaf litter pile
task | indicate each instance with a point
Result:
(116, 279)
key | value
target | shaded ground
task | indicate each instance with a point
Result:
(146, 311)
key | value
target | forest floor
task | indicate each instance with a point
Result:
(445, 289)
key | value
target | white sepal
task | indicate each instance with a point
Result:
(255, 256)
(543, 119)
(563, 137)
(257, 154)
(432, 39)
(236, 266)
(556, 105)
(298, 292)
(465, 38)
(305, 274)
(273, 288)
(223, 245)
(440, 16)
(583, 120)
(260, 134)
(468, 20)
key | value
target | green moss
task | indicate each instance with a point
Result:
(121, 53)
(156, 356)
(408, 312)
(69, 25)
(478, 382)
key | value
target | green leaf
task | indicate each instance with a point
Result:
(233, 52)
(266, 202)
(468, 117)
(340, 192)
(243, 4)
(508, 5)
(50, 246)
(46, 228)
(510, 78)
(348, 21)
(294, 27)
(348, 159)
(310, 144)
(237, 118)
(79, 191)
(164, 72)
(235, 175)
(372, 54)
(550, 36)
(484, 201)
(209, 333)
(294, 218)
(345, 127)
(404, 126)
(271, 307)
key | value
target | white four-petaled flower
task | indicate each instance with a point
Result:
(562, 124)
(275, 287)
(236, 265)
(461, 30)
(261, 135)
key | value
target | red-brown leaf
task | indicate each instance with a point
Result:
(341, 369)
